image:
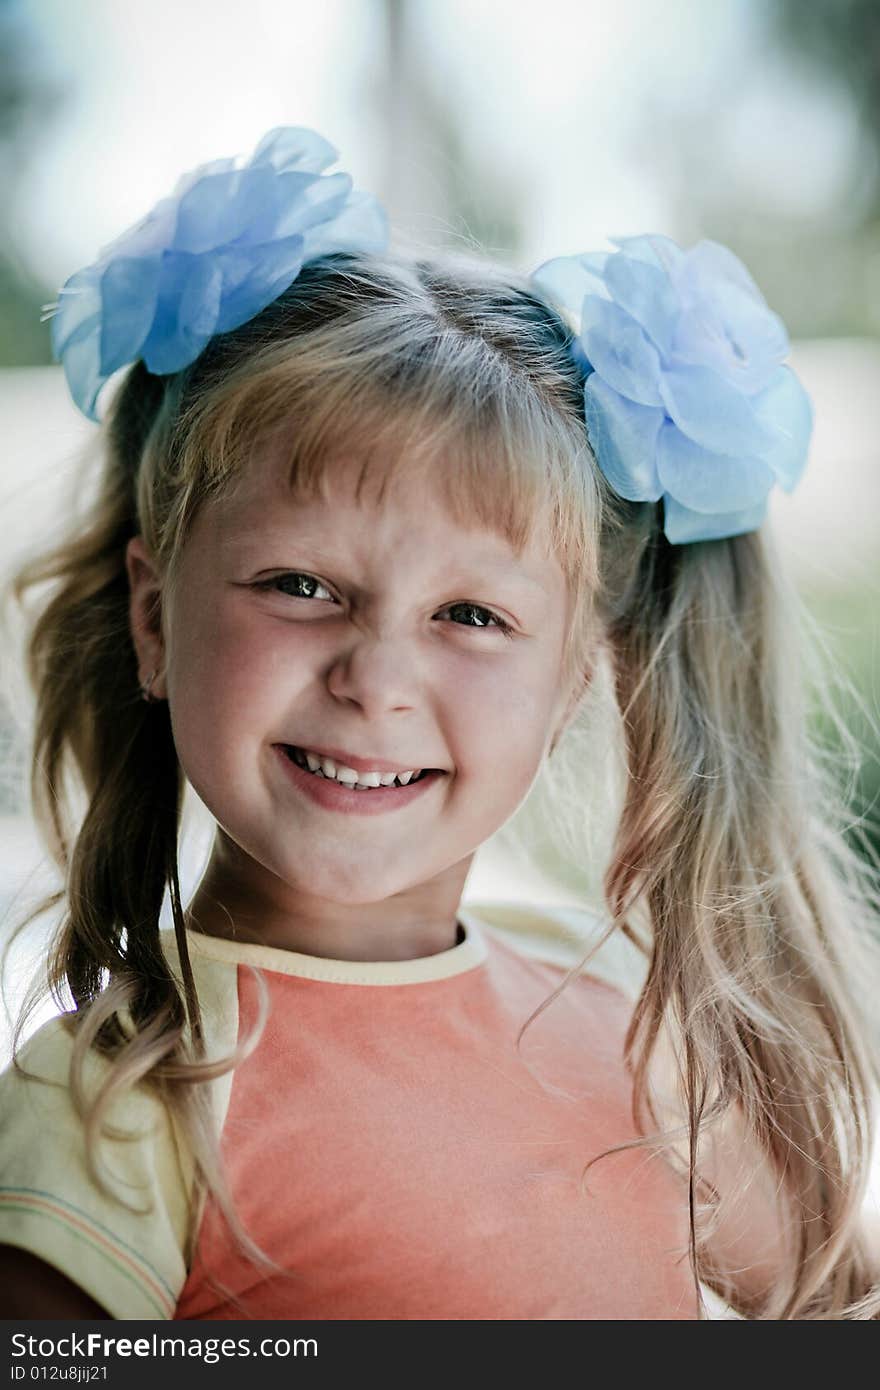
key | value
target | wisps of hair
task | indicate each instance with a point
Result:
(766, 924)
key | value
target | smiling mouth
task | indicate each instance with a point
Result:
(298, 756)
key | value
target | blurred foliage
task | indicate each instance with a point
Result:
(29, 100)
(850, 621)
(842, 37)
(24, 340)
(819, 265)
(839, 40)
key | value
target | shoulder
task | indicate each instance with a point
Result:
(37, 1079)
(581, 1009)
(37, 1086)
(560, 935)
(118, 1236)
(215, 975)
(36, 1090)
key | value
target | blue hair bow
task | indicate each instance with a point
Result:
(225, 244)
(685, 397)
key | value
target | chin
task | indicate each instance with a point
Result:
(359, 890)
(343, 884)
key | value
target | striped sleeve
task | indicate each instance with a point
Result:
(130, 1261)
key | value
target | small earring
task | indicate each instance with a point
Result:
(145, 688)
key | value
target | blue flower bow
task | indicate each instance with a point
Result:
(686, 397)
(225, 244)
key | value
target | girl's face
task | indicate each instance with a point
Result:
(389, 637)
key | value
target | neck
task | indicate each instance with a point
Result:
(259, 908)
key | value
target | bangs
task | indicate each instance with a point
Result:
(483, 481)
(474, 429)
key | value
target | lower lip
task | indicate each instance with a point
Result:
(335, 796)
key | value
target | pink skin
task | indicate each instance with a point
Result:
(373, 663)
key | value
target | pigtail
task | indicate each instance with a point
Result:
(731, 835)
(92, 730)
(94, 734)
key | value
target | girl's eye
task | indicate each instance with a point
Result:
(486, 612)
(304, 585)
(301, 584)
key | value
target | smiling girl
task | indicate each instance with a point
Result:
(371, 669)
(368, 524)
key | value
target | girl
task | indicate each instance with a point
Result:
(370, 527)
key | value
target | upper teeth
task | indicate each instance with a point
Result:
(353, 778)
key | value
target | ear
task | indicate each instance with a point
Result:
(145, 615)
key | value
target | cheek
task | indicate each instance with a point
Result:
(505, 718)
(223, 680)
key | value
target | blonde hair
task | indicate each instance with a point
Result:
(757, 916)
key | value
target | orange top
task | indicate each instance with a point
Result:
(388, 1146)
(385, 1143)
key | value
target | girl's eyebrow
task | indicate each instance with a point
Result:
(507, 572)
(501, 570)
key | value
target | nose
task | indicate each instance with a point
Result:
(375, 673)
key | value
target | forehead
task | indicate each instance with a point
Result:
(358, 494)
